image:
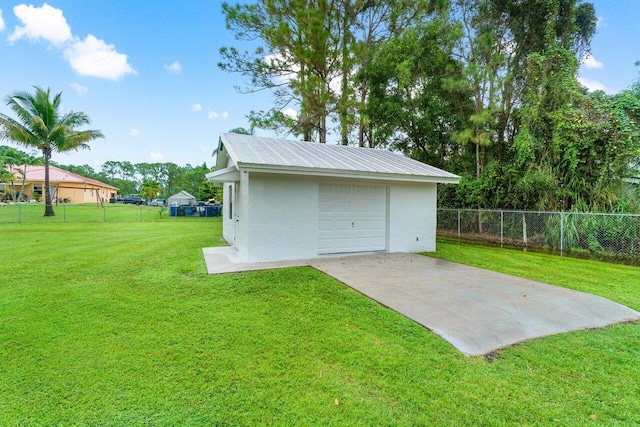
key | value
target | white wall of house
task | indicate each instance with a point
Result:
(241, 216)
(412, 217)
(276, 216)
(283, 217)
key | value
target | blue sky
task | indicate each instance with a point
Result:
(146, 72)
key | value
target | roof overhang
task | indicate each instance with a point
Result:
(230, 174)
(337, 173)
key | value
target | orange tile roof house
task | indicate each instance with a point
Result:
(65, 186)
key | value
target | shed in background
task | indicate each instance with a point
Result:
(181, 198)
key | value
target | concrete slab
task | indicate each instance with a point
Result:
(476, 310)
(225, 259)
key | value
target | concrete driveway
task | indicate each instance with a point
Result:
(476, 310)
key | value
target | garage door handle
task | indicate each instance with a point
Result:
(352, 222)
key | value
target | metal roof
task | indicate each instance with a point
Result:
(253, 153)
(183, 193)
(57, 175)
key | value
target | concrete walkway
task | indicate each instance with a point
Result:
(476, 310)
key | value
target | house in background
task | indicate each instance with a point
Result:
(287, 200)
(65, 186)
(181, 198)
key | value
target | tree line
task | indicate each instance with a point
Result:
(160, 179)
(165, 178)
(486, 89)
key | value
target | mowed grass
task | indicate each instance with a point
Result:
(119, 324)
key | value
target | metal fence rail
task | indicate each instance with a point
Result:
(30, 213)
(608, 235)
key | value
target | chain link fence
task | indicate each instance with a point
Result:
(31, 213)
(606, 236)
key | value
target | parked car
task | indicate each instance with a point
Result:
(158, 202)
(133, 200)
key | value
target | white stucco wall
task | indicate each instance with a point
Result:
(412, 218)
(242, 213)
(277, 216)
(283, 217)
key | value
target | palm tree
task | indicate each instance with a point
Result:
(16, 163)
(40, 125)
(150, 189)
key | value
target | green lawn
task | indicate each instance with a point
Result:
(119, 324)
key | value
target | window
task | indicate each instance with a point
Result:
(37, 190)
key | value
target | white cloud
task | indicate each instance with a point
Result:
(93, 57)
(593, 86)
(196, 107)
(588, 61)
(213, 115)
(79, 88)
(156, 157)
(225, 115)
(134, 132)
(290, 112)
(279, 61)
(44, 22)
(1, 21)
(89, 57)
(284, 61)
(175, 68)
(602, 22)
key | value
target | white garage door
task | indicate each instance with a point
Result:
(352, 218)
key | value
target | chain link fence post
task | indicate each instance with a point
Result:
(501, 228)
(561, 233)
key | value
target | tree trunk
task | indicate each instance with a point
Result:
(322, 134)
(344, 93)
(48, 207)
(361, 125)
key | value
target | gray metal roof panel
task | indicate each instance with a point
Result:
(256, 150)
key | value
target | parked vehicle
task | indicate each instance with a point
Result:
(158, 202)
(133, 200)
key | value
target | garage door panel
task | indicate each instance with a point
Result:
(342, 208)
(341, 225)
(326, 225)
(352, 218)
(326, 207)
(342, 191)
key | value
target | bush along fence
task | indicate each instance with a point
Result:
(609, 236)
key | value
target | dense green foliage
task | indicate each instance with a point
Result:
(170, 177)
(486, 89)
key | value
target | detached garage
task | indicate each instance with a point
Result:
(294, 200)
